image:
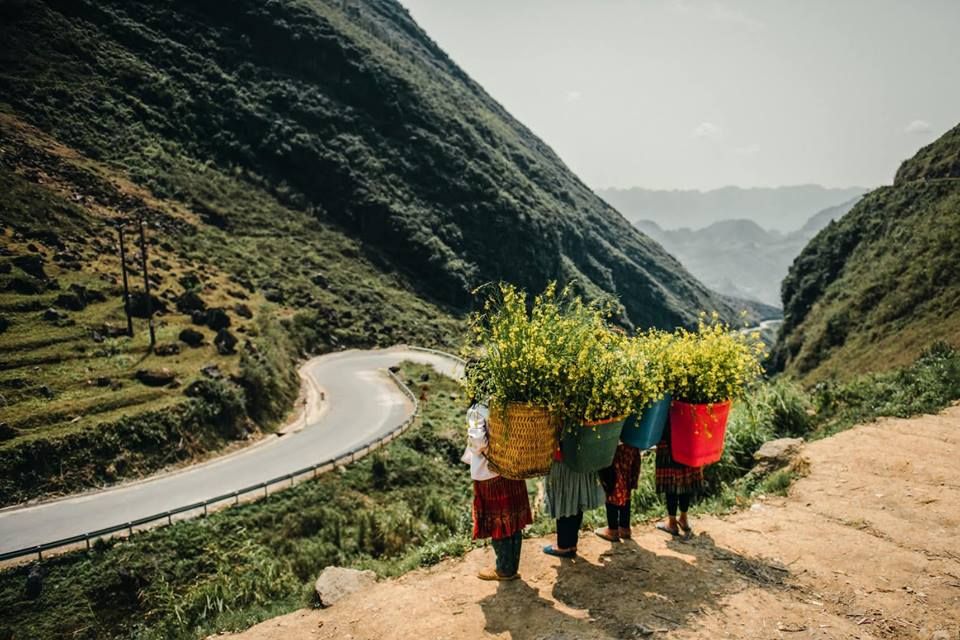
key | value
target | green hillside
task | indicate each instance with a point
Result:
(874, 289)
(319, 175)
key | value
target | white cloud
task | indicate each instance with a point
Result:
(573, 96)
(708, 130)
(918, 126)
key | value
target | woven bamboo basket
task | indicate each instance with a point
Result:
(522, 440)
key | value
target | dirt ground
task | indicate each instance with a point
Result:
(866, 546)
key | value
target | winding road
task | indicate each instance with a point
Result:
(361, 404)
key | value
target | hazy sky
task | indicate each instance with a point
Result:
(701, 94)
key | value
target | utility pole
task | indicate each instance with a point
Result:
(126, 287)
(146, 285)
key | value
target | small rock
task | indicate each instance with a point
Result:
(103, 381)
(5, 267)
(46, 392)
(424, 377)
(337, 582)
(226, 342)
(111, 331)
(70, 301)
(53, 315)
(212, 371)
(243, 311)
(155, 377)
(4, 324)
(941, 635)
(320, 280)
(167, 349)
(273, 295)
(191, 337)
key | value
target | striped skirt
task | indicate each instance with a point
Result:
(501, 508)
(673, 477)
(620, 479)
(570, 492)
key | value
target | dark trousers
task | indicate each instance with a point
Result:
(568, 530)
(507, 551)
(674, 500)
(618, 517)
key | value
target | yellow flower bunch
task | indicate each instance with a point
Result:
(712, 364)
(522, 353)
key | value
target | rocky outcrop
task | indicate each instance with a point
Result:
(337, 582)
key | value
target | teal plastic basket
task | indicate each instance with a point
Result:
(646, 430)
(591, 448)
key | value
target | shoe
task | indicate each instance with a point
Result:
(492, 574)
(625, 533)
(602, 533)
(551, 551)
(674, 532)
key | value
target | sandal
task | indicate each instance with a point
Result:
(551, 551)
(625, 533)
(674, 532)
(602, 533)
(686, 529)
(492, 574)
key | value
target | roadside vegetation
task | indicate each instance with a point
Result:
(403, 507)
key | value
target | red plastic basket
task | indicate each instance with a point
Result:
(697, 432)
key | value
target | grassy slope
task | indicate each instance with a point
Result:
(873, 290)
(358, 119)
(63, 431)
(404, 506)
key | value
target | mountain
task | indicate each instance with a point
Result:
(313, 176)
(738, 257)
(779, 208)
(876, 288)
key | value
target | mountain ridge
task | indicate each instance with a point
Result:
(881, 285)
(783, 209)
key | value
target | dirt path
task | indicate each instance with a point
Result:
(866, 546)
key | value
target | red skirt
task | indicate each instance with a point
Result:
(501, 507)
(672, 476)
(620, 479)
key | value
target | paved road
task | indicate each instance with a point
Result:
(362, 403)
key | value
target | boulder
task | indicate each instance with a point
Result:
(320, 280)
(31, 265)
(4, 324)
(7, 432)
(138, 304)
(243, 311)
(191, 337)
(778, 453)
(217, 319)
(70, 301)
(156, 377)
(190, 301)
(226, 342)
(5, 267)
(336, 583)
(25, 285)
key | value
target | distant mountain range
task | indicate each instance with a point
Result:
(780, 208)
(739, 258)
